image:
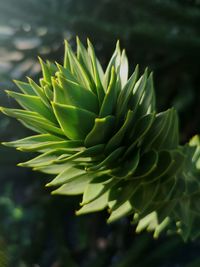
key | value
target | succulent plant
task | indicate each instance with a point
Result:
(98, 134)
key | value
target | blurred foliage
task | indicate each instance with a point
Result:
(36, 228)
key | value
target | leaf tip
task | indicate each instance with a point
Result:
(118, 45)
(21, 164)
(77, 212)
(40, 60)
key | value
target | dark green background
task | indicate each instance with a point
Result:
(37, 229)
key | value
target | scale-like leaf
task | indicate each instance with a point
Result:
(45, 71)
(97, 187)
(42, 160)
(96, 73)
(121, 211)
(96, 205)
(155, 130)
(74, 186)
(37, 122)
(109, 160)
(76, 95)
(148, 162)
(164, 163)
(75, 67)
(93, 151)
(32, 103)
(109, 101)
(70, 173)
(123, 69)
(117, 138)
(39, 92)
(101, 131)
(127, 168)
(39, 142)
(138, 132)
(125, 95)
(26, 88)
(114, 62)
(70, 119)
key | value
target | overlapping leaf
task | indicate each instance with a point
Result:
(99, 134)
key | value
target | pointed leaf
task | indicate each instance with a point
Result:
(39, 92)
(124, 69)
(78, 96)
(32, 103)
(75, 186)
(126, 94)
(147, 101)
(114, 62)
(75, 67)
(164, 164)
(101, 131)
(99, 87)
(121, 211)
(69, 174)
(33, 120)
(97, 187)
(45, 71)
(84, 152)
(58, 92)
(26, 88)
(141, 128)
(148, 162)
(96, 205)
(110, 160)
(83, 57)
(75, 122)
(35, 142)
(155, 130)
(116, 140)
(121, 193)
(128, 167)
(43, 159)
(65, 73)
(109, 101)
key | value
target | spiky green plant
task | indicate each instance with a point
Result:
(100, 135)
